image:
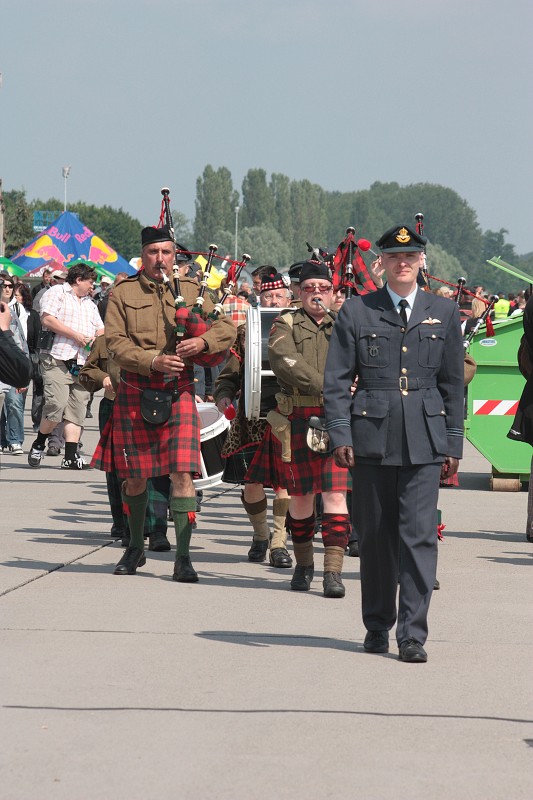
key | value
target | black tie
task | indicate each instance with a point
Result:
(403, 313)
(17, 309)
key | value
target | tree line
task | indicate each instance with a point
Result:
(277, 216)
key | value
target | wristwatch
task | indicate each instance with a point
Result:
(206, 346)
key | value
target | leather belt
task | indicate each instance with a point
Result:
(404, 384)
(306, 400)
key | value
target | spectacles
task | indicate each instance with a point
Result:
(8, 286)
(313, 289)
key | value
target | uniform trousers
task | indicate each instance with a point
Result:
(396, 512)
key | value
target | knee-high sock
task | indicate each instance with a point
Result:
(135, 510)
(257, 514)
(335, 533)
(280, 506)
(183, 514)
(302, 532)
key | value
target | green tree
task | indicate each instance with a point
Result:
(443, 265)
(216, 200)
(18, 221)
(309, 218)
(257, 200)
(266, 246)
(280, 187)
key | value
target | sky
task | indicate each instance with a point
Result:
(135, 95)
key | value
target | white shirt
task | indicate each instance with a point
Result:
(80, 314)
(397, 297)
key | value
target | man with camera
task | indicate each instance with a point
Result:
(72, 319)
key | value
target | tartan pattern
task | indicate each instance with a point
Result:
(307, 472)
(134, 448)
(236, 308)
(361, 274)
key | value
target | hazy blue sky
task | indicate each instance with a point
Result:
(138, 94)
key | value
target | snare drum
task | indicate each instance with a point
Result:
(213, 431)
(260, 384)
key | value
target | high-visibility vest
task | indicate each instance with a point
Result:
(501, 309)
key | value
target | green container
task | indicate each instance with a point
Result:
(492, 399)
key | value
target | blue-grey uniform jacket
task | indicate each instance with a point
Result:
(409, 402)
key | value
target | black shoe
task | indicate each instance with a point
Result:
(35, 456)
(353, 549)
(75, 463)
(184, 571)
(437, 584)
(158, 542)
(413, 652)
(333, 585)
(88, 413)
(53, 451)
(301, 580)
(376, 642)
(258, 550)
(133, 557)
(280, 558)
(117, 532)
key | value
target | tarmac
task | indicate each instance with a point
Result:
(236, 687)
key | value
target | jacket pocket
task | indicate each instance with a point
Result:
(431, 346)
(141, 318)
(370, 426)
(435, 418)
(374, 347)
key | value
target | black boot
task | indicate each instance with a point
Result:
(353, 548)
(258, 550)
(280, 558)
(184, 571)
(301, 580)
(333, 585)
(133, 557)
(158, 542)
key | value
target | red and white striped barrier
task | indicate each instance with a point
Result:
(495, 408)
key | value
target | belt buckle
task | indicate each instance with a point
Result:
(404, 383)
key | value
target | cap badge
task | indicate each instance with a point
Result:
(403, 236)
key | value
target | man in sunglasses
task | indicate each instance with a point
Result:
(298, 346)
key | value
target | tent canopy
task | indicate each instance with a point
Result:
(66, 240)
(7, 266)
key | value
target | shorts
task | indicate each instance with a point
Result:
(64, 397)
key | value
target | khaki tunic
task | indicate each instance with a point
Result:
(140, 321)
(298, 351)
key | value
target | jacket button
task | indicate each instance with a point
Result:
(443, 413)
(404, 392)
(363, 413)
(402, 330)
(403, 370)
(373, 336)
(404, 349)
(433, 336)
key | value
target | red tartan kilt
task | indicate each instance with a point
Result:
(307, 472)
(134, 448)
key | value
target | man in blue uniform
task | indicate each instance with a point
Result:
(401, 430)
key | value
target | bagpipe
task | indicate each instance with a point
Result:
(193, 322)
(349, 269)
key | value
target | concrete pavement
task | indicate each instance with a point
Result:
(235, 687)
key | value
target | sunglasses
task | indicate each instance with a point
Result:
(313, 289)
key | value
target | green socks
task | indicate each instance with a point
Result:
(135, 509)
(184, 513)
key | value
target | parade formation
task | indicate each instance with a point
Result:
(337, 385)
